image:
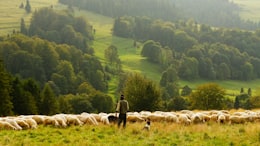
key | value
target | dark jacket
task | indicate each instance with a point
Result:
(122, 107)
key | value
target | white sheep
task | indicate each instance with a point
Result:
(183, 119)
(48, 120)
(73, 120)
(169, 117)
(87, 119)
(7, 126)
(13, 122)
(134, 118)
(235, 119)
(221, 118)
(196, 118)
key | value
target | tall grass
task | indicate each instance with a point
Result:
(160, 134)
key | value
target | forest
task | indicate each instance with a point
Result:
(50, 66)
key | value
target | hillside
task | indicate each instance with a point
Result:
(11, 14)
(249, 9)
(129, 55)
(132, 60)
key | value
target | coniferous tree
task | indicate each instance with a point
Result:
(6, 105)
(49, 102)
(23, 28)
(28, 6)
(23, 101)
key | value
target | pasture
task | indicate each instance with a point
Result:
(250, 9)
(11, 14)
(162, 132)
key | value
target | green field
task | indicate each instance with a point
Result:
(250, 9)
(161, 134)
(11, 14)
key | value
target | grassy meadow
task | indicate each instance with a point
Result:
(250, 9)
(161, 134)
(11, 14)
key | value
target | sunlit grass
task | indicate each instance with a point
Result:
(250, 9)
(160, 134)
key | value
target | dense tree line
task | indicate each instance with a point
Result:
(197, 51)
(217, 13)
(45, 61)
(60, 27)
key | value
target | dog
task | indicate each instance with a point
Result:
(112, 119)
(147, 126)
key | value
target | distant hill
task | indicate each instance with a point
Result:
(216, 13)
(11, 14)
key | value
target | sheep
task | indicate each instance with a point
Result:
(31, 122)
(197, 118)
(73, 120)
(156, 117)
(104, 120)
(96, 116)
(13, 122)
(169, 117)
(86, 118)
(234, 119)
(183, 119)
(7, 126)
(21, 122)
(221, 119)
(50, 121)
(214, 117)
(39, 119)
(60, 118)
(134, 118)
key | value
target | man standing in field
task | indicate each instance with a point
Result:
(122, 108)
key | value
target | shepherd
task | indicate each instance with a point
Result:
(122, 108)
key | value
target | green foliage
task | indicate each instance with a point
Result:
(141, 93)
(61, 28)
(49, 104)
(188, 68)
(242, 101)
(23, 101)
(101, 102)
(208, 96)
(171, 11)
(80, 103)
(186, 90)
(152, 51)
(28, 6)
(177, 103)
(23, 28)
(6, 106)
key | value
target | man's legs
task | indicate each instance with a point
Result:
(122, 117)
(119, 120)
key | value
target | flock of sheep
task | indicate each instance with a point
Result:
(185, 117)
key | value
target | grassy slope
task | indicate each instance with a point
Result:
(10, 16)
(250, 9)
(132, 61)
